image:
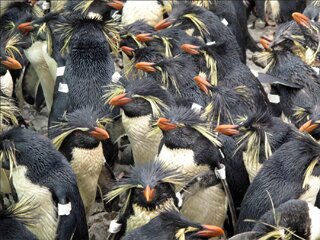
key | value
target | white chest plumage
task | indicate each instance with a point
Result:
(142, 216)
(150, 11)
(144, 146)
(45, 225)
(87, 165)
(313, 185)
(45, 68)
(213, 199)
(6, 84)
(314, 214)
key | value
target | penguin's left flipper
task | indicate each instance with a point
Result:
(269, 79)
(67, 222)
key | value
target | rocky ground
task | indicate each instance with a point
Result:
(98, 223)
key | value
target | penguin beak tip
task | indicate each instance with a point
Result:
(301, 19)
(146, 66)
(127, 50)
(202, 83)
(149, 193)
(144, 37)
(309, 126)
(210, 231)
(189, 48)
(26, 27)
(228, 130)
(265, 43)
(99, 133)
(120, 100)
(165, 124)
(11, 63)
(118, 5)
(163, 24)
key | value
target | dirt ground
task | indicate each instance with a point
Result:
(98, 223)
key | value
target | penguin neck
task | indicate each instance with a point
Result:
(141, 216)
(87, 165)
(46, 223)
(144, 145)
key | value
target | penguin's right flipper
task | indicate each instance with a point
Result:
(266, 78)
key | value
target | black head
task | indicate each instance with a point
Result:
(264, 134)
(139, 97)
(151, 185)
(81, 129)
(292, 216)
(172, 225)
(32, 150)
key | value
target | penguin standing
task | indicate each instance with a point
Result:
(292, 172)
(43, 174)
(150, 190)
(172, 225)
(140, 101)
(79, 139)
(185, 136)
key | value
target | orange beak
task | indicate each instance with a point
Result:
(11, 63)
(118, 5)
(32, 2)
(165, 124)
(163, 24)
(99, 133)
(149, 193)
(144, 37)
(127, 50)
(227, 129)
(210, 231)
(301, 19)
(189, 48)
(265, 43)
(146, 66)
(202, 83)
(26, 27)
(308, 127)
(120, 100)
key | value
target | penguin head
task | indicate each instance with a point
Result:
(262, 134)
(150, 186)
(81, 128)
(311, 126)
(139, 97)
(9, 63)
(293, 219)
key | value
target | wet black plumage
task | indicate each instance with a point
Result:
(282, 176)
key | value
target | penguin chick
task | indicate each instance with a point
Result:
(189, 144)
(295, 219)
(150, 190)
(80, 137)
(140, 101)
(262, 136)
(15, 219)
(171, 225)
(43, 174)
(292, 172)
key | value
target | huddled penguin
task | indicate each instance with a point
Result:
(189, 144)
(172, 225)
(43, 174)
(149, 191)
(140, 101)
(79, 138)
(292, 172)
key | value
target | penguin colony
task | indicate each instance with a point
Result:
(206, 148)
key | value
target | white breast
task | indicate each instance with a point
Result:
(46, 224)
(150, 11)
(183, 159)
(310, 195)
(142, 216)
(45, 68)
(87, 165)
(213, 202)
(6, 84)
(314, 214)
(144, 146)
